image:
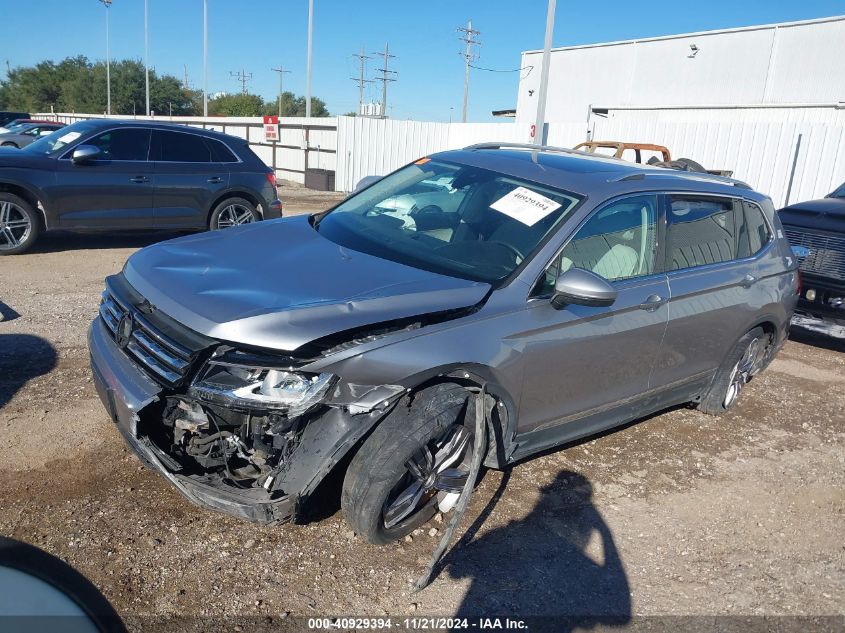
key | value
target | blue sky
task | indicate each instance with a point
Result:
(256, 35)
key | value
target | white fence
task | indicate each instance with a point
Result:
(303, 143)
(789, 160)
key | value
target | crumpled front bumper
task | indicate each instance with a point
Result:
(125, 391)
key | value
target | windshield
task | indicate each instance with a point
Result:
(453, 219)
(53, 143)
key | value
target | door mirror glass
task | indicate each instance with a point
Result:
(84, 154)
(583, 287)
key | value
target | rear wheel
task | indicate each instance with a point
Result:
(19, 225)
(233, 212)
(742, 364)
(416, 462)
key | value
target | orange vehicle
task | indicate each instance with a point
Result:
(646, 153)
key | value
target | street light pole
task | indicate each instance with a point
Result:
(308, 62)
(107, 4)
(205, 57)
(147, 54)
(540, 121)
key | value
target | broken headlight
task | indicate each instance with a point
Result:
(260, 386)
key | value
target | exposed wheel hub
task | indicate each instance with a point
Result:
(436, 469)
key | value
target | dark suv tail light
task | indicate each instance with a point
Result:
(271, 178)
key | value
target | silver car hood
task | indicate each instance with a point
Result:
(280, 285)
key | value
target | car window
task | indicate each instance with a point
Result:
(839, 193)
(701, 231)
(454, 219)
(752, 231)
(123, 144)
(220, 153)
(618, 242)
(176, 147)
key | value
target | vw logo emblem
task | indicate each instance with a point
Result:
(124, 330)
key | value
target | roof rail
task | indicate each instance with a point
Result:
(538, 148)
(689, 175)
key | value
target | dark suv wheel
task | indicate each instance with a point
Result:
(19, 224)
(233, 212)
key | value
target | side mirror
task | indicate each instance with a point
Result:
(584, 288)
(84, 154)
(366, 181)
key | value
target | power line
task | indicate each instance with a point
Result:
(468, 37)
(360, 78)
(385, 78)
(281, 70)
(243, 77)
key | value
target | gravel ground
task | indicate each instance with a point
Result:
(680, 514)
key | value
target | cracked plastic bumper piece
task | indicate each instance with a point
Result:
(125, 391)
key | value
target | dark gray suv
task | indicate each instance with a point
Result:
(551, 294)
(110, 174)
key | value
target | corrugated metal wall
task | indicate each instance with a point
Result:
(760, 153)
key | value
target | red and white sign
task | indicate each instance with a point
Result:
(271, 129)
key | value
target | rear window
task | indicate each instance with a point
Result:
(701, 231)
(220, 153)
(178, 147)
(752, 230)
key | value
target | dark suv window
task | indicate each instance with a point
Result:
(125, 144)
(752, 230)
(701, 231)
(176, 147)
(220, 153)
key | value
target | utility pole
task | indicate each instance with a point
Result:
(205, 57)
(468, 38)
(185, 80)
(540, 121)
(281, 70)
(385, 78)
(360, 78)
(147, 53)
(308, 61)
(243, 77)
(107, 4)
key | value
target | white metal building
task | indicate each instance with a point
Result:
(791, 71)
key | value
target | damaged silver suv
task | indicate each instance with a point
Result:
(577, 293)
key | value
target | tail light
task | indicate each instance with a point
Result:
(271, 178)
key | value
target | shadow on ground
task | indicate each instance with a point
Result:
(558, 567)
(823, 336)
(22, 358)
(59, 241)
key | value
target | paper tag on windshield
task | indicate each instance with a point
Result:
(527, 206)
(70, 137)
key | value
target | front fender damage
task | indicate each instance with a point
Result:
(257, 465)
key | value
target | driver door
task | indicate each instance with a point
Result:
(581, 360)
(113, 191)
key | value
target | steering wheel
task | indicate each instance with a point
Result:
(513, 249)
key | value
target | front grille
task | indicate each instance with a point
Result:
(826, 256)
(162, 357)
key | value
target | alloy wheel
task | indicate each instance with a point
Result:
(742, 371)
(235, 215)
(435, 472)
(15, 225)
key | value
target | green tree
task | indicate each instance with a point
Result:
(236, 105)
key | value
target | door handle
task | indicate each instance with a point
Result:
(139, 179)
(215, 180)
(652, 303)
(748, 281)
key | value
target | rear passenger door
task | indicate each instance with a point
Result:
(188, 176)
(711, 285)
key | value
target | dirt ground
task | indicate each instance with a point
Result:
(678, 515)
